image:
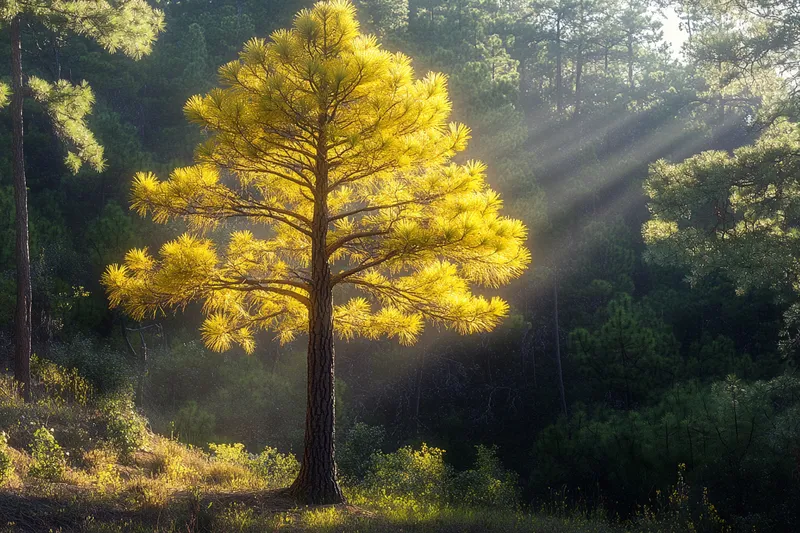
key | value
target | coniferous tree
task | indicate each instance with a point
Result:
(329, 141)
(625, 358)
(129, 26)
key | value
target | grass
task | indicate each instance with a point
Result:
(108, 473)
(67, 510)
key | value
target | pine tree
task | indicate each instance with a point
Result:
(341, 162)
(731, 213)
(628, 356)
(129, 26)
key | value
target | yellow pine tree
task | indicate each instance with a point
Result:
(340, 161)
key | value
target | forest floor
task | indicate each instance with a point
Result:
(73, 463)
(71, 512)
(69, 509)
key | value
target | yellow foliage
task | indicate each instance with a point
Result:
(330, 147)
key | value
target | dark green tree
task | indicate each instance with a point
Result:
(625, 359)
(129, 26)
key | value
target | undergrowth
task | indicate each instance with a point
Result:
(76, 460)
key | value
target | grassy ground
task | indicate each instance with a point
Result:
(68, 510)
(73, 463)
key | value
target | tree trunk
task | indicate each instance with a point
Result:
(579, 61)
(420, 365)
(316, 483)
(559, 67)
(22, 320)
(630, 65)
(578, 73)
(558, 345)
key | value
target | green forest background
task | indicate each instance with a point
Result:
(621, 360)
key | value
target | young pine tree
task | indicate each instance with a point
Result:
(129, 26)
(340, 161)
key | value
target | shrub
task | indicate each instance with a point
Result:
(353, 457)
(48, 461)
(101, 464)
(10, 395)
(61, 385)
(6, 467)
(277, 469)
(488, 484)
(271, 467)
(193, 424)
(125, 428)
(105, 369)
(408, 477)
(230, 453)
(176, 462)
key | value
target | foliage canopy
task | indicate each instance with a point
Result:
(129, 26)
(321, 120)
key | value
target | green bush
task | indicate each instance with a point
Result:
(408, 477)
(125, 428)
(107, 370)
(6, 467)
(48, 457)
(194, 425)
(62, 385)
(275, 469)
(488, 484)
(278, 469)
(230, 453)
(355, 453)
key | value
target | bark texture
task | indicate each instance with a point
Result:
(316, 483)
(22, 320)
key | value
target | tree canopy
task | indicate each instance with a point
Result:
(321, 114)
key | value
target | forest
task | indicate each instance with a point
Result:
(399, 265)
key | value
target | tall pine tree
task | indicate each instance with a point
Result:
(129, 26)
(329, 141)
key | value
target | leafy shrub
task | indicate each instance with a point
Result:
(6, 467)
(61, 385)
(176, 462)
(488, 484)
(125, 428)
(107, 370)
(355, 453)
(193, 424)
(277, 469)
(230, 453)
(101, 464)
(48, 461)
(271, 467)
(408, 477)
(9, 391)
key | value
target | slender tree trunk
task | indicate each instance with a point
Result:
(420, 365)
(22, 320)
(579, 62)
(558, 345)
(630, 65)
(142, 370)
(688, 27)
(316, 483)
(578, 73)
(559, 68)
(523, 352)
